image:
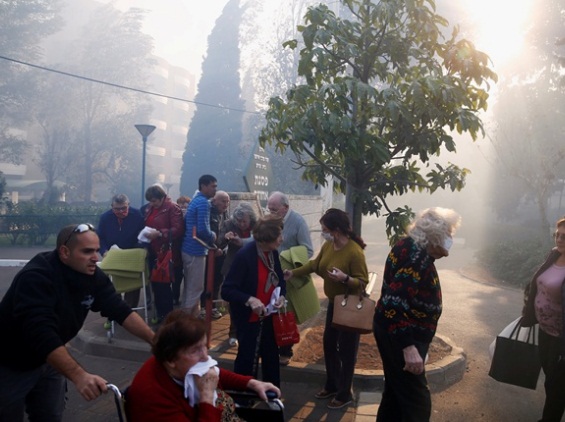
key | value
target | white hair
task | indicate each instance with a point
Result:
(433, 225)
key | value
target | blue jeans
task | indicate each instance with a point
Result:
(40, 392)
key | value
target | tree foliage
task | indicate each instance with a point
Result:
(214, 141)
(87, 128)
(383, 91)
(23, 24)
(269, 70)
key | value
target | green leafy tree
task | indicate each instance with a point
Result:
(383, 92)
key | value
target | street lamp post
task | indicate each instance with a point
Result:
(145, 131)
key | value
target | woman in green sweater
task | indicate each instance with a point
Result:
(341, 263)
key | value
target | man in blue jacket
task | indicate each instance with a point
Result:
(43, 309)
(197, 223)
(120, 226)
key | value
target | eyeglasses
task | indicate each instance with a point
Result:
(559, 236)
(81, 228)
(120, 209)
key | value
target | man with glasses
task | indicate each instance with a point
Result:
(120, 226)
(43, 309)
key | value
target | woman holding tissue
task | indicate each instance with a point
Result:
(180, 382)
(255, 288)
(341, 263)
(165, 217)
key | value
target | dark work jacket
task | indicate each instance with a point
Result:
(45, 307)
(241, 281)
(528, 311)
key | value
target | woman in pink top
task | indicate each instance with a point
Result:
(544, 300)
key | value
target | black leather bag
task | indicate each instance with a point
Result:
(517, 362)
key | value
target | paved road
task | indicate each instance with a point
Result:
(474, 312)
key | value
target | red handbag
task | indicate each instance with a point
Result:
(164, 271)
(286, 330)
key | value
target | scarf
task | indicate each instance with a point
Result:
(269, 261)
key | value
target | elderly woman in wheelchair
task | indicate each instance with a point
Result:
(181, 382)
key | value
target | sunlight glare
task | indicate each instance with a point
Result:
(500, 26)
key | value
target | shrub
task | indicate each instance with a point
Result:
(514, 253)
(32, 223)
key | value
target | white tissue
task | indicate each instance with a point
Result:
(190, 391)
(142, 236)
(274, 297)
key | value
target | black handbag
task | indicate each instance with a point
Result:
(517, 362)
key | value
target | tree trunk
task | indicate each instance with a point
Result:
(354, 209)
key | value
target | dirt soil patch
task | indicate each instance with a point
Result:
(310, 350)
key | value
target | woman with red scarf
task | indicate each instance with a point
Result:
(249, 287)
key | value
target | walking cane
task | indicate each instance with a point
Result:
(257, 349)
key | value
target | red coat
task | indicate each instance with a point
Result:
(154, 396)
(170, 222)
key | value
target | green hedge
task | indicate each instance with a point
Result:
(514, 253)
(33, 224)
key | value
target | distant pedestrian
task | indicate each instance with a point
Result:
(44, 308)
(182, 202)
(407, 314)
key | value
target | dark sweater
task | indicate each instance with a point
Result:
(410, 303)
(124, 234)
(242, 280)
(46, 306)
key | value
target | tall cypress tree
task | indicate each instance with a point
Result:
(214, 136)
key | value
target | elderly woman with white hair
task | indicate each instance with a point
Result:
(407, 313)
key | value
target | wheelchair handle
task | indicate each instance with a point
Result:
(115, 390)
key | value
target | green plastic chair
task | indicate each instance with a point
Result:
(127, 268)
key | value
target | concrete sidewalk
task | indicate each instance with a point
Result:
(300, 381)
